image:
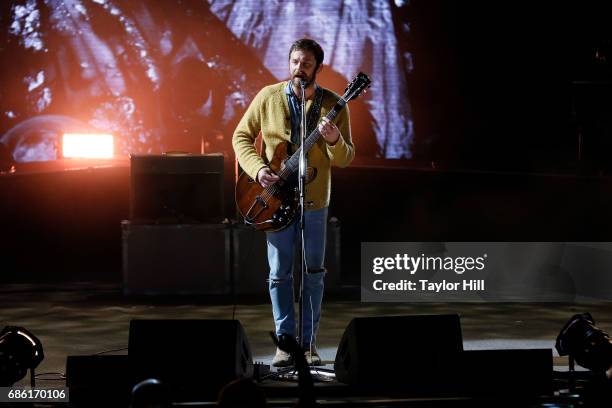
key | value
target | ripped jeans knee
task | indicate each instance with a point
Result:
(278, 282)
(313, 271)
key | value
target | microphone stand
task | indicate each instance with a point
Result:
(302, 193)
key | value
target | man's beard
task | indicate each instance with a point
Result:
(307, 81)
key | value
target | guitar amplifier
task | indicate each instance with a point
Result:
(179, 189)
(176, 258)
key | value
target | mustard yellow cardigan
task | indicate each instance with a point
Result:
(269, 113)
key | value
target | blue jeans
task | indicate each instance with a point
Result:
(281, 250)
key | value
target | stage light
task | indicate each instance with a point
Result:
(87, 146)
(587, 344)
(20, 351)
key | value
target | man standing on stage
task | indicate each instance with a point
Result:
(276, 113)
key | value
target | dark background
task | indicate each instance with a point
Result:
(511, 85)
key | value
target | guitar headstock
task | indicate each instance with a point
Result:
(358, 85)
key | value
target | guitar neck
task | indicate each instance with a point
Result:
(292, 164)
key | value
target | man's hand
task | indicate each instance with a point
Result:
(329, 131)
(266, 177)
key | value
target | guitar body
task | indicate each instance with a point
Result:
(271, 208)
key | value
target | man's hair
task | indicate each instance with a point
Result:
(306, 44)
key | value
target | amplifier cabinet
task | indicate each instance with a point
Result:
(167, 189)
(176, 258)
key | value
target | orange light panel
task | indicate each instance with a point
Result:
(87, 146)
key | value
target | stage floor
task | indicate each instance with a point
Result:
(86, 318)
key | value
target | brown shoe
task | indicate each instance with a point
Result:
(312, 356)
(282, 359)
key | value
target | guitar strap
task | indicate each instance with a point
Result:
(312, 117)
